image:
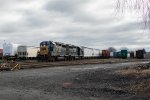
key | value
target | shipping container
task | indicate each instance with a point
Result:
(105, 54)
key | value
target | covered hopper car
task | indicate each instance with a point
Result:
(10, 51)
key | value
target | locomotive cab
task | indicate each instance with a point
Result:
(46, 48)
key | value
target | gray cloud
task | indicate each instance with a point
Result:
(80, 22)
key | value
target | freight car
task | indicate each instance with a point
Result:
(124, 54)
(105, 54)
(140, 54)
(10, 51)
(131, 54)
(27, 52)
(51, 51)
(90, 52)
(1, 53)
(121, 54)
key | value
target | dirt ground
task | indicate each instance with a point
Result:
(34, 64)
(83, 82)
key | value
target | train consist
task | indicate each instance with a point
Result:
(52, 51)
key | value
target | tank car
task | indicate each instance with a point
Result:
(10, 50)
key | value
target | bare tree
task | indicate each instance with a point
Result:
(112, 49)
(142, 7)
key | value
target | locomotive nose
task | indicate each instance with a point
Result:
(44, 50)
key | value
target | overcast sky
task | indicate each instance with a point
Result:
(91, 23)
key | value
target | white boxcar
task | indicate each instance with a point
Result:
(90, 52)
(10, 49)
(32, 52)
(96, 53)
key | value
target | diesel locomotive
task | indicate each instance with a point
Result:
(52, 51)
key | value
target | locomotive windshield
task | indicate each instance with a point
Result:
(48, 44)
(43, 44)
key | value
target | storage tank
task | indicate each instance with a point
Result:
(10, 49)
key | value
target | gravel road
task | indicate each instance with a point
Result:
(62, 83)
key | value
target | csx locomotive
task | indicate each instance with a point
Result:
(51, 51)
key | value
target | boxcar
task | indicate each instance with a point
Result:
(140, 54)
(32, 52)
(105, 54)
(90, 52)
(124, 54)
(131, 54)
(27, 52)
